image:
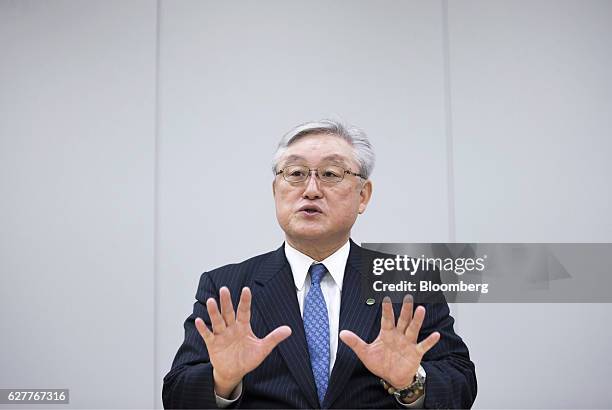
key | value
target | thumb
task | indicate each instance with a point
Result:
(276, 336)
(354, 342)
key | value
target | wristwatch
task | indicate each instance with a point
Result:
(410, 393)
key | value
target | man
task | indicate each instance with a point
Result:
(302, 336)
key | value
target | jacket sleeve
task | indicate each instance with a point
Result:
(451, 376)
(189, 384)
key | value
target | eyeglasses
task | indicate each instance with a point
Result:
(331, 174)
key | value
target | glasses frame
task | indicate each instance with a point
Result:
(316, 171)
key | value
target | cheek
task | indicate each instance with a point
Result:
(347, 206)
(283, 204)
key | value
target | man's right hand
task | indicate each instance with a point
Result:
(233, 348)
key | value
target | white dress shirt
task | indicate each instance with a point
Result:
(331, 287)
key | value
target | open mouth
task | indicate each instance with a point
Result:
(309, 210)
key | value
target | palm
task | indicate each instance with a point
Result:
(238, 350)
(392, 355)
(395, 354)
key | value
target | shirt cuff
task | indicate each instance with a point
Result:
(223, 403)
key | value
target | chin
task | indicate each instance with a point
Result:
(309, 233)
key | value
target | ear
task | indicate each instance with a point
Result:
(274, 187)
(365, 195)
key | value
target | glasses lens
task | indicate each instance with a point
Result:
(295, 173)
(331, 173)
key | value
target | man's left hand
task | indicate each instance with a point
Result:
(394, 355)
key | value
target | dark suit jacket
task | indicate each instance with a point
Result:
(284, 379)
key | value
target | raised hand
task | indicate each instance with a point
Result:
(233, 348)
(395, 355)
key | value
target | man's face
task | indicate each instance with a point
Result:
(316, 210)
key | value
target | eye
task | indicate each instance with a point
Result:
(297, 173)
(331, 173)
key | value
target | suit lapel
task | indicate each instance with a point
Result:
(274, 295)
(356, 316)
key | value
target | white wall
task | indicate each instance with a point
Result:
(531, 102)
(76, 210)
(118, 119)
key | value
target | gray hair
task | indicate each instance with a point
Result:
(356, 137)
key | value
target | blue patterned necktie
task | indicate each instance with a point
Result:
(316, 326)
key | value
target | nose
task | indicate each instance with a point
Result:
(312, 189)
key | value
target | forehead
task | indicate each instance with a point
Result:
(317, 148)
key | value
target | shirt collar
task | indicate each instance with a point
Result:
(300, 264)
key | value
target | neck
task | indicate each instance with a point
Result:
(317, 249)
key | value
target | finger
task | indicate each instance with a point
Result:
(227, 308)
(218, 324)
(354, 342)
(276, 336)
(203, 330)
(415, 325)
(244, 306)
(428, 343)
(406, 314)
(387, 319)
